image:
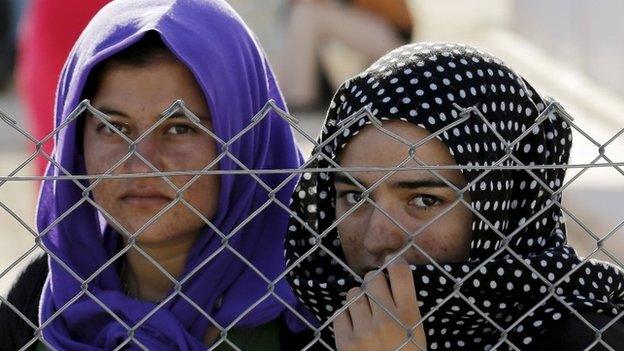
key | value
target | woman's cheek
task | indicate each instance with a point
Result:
(100, 157)
(351, 244)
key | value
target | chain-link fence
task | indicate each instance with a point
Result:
(179, 183)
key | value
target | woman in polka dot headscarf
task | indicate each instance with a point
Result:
(467, 237)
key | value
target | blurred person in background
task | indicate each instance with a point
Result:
(369, 28)
(48, 30)
(6, 44)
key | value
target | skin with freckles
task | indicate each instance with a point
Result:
(384, 315)
(411, 198)
(134, 98)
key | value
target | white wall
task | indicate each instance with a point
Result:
(586, 33)
(458, 19)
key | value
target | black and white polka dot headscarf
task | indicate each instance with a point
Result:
(518, 263)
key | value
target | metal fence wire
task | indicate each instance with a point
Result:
(87, 182)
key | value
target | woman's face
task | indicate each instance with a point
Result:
(134, 98)
(410, 198)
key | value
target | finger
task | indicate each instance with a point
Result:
(402, 287)
(359, 309)
(378, 288)
(343, 329)
(404, 294)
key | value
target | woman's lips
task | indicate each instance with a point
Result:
(145, 198)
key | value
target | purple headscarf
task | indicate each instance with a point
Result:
(212, 40)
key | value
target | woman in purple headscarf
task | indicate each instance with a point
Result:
(173, 262)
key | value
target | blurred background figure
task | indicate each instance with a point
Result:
(267, 20)
(6, 44)
(4, 36)
(48, 31)
(333, 40)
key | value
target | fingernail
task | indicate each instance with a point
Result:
(369, 275)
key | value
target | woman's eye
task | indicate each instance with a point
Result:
(179, 129)
(353, 198)
(114, 128)
(425, 201)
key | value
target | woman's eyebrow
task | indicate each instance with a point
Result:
(421, 183)
(180, 114)
(110, 111)
(403, 184)
(344, 179)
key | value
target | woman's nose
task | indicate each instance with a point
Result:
(146, 149)
(383, 235)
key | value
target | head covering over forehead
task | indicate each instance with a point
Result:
(230, 282)
(487, 116)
